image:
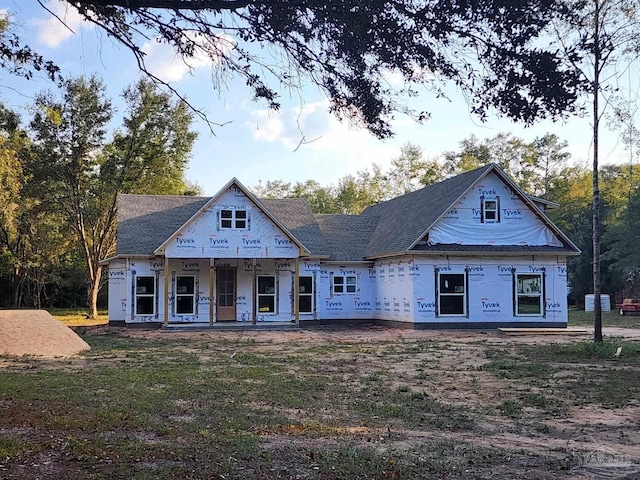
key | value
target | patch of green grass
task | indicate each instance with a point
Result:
(582, 352)
(14, 448)
(511, 408)
(405, 347)
(579, 372)
(77, 317)
(379, 405)
(610, 387)
(351, 461)
(534, 399)
(113, 342)
(550, 404)
(580, 318)
(516, 368)
(167, 407)
(377, 376)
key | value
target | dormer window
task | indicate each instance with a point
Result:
(490, 210)
(233, 219)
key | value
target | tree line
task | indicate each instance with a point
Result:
(61, 172)
(536, 59)
(542, 168)
(60, 175)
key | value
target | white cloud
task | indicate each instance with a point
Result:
(308, 123)
(396, 79)
(53, 31)
(330, 148)
(268, 126)
(162, 60)
(393, 77)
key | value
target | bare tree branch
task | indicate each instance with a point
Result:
(170, 4)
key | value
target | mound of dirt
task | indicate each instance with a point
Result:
(36, 332)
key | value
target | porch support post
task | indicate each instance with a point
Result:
(166, 290)
(254, 319)
(296, 292)
(212, 291)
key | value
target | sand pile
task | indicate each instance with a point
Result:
(36, 332)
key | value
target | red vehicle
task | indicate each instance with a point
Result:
(629, 306)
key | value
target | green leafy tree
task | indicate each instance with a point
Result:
(472, 154)
(32, 237)
(411, 171)
(353, 195)
(11, 182)
(622, 194)
(151, 152)
(273, 189)
(84, 174)
(512, 154)
(69, 135)
(321, 199)
(549, 157)
(572, 190)
(597, 38)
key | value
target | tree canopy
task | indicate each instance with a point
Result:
(61, 177)
(492, 50)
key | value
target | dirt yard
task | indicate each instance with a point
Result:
(370, 403)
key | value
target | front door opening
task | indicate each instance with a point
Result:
(225, 294)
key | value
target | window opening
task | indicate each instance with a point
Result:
(185, 295)
(529, 294)
(145, 295)
(345, 284)
(233, 219)
(305, 294)
(267, 294)
(452, 294)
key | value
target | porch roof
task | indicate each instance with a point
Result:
(146, 221)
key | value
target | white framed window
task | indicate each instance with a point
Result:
(452, 294)
(233, 219)
(145, 295)
(185, 295)
(266, 294)
(490, 210)
(529, 294)
(305, 294)
(345, 284)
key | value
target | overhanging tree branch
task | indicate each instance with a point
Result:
(490, 52)
(170, 4)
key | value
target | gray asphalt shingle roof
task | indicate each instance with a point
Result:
(296, 215)
(402, 220)
(391, 227)
(347, 235)
(146, 221)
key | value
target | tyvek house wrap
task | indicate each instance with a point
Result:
(410, 295)
(203, 238)
(465, 224)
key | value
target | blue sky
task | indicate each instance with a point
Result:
(257, 144)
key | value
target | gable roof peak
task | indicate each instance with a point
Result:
(256, 201)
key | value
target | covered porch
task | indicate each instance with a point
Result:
(227, 291)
